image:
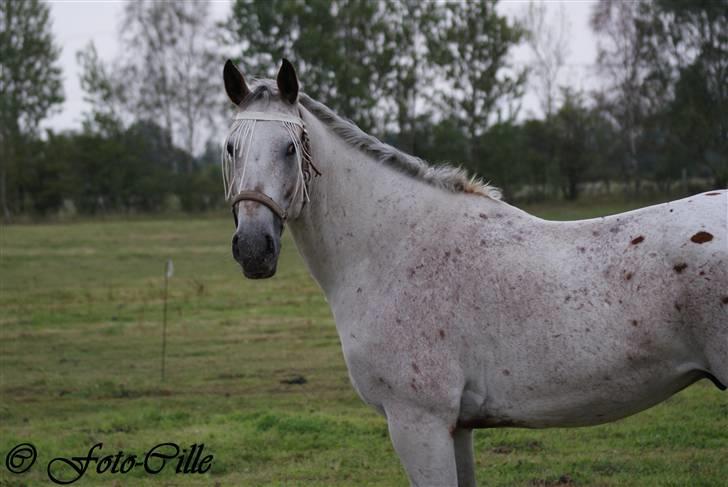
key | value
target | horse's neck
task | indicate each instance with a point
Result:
(358, 208)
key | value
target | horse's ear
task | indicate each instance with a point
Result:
(235, 85)
(288, 82)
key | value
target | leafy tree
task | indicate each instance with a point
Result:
(163, 97)
(697, 121)
(128, 170)
(548, 42)
(621, 59)
(441, 142)
(502, 154)
(471, 49)
(540, 157)
(408, 75)
(49, 173)
(30, 87)
(170, 66)
(688, 59)
(201, 189)
(338, 47)
(574, 130)
(667, 62)
(103, 92)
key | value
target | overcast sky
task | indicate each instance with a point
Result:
(76, 23)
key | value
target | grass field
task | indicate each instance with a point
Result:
(80, 338)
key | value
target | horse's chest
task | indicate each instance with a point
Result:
(403, 363)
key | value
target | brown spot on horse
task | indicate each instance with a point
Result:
(442, 333)
(680, 267)
(712, 194)
(637, 240)
(701, 237)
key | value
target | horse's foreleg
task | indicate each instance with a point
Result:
(424, 445)
(463, 439)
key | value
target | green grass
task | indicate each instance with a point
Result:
(80, 336)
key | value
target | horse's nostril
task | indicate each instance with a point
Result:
(270, 243)
(236, 252)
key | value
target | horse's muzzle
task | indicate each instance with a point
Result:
(257, 253)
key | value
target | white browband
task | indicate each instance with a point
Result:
(273, 117)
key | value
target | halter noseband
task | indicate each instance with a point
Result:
(306, 165)
(262, 198)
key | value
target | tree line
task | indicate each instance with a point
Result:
(435, 79)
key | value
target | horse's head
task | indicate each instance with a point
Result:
(265, 166)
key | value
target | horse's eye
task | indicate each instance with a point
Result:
(291, 149)
(230, 148)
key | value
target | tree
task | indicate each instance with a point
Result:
(548, 42)
(440, 142)
(540, 156)
(338, 47)
(103, 92)
(131, 170)
(471, 49)
(697, 121)
(687, 56)
(410, 23)
(201, 189)
(30, 86)
(575, 128)
(170, 69)
(502, 156)
(621, 59)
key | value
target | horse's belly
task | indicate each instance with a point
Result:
(544, 402)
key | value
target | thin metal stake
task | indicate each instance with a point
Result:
(168, 271)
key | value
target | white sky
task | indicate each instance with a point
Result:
(76, 23)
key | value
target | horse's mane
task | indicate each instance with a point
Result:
(450, 178)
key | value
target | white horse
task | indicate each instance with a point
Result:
(457, 311)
